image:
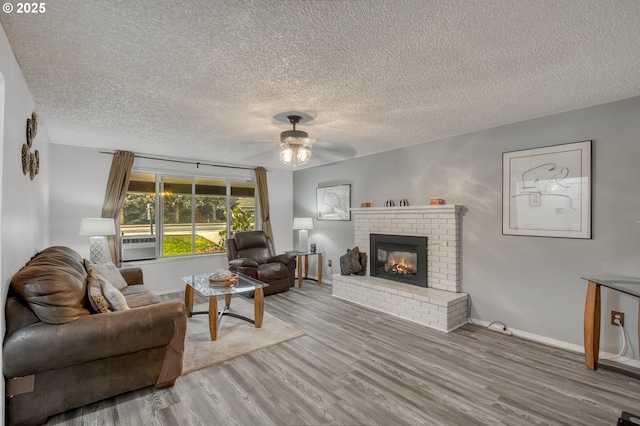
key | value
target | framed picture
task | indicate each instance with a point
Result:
(334, 202)
(546, 192)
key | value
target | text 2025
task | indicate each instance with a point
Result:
(31, 8)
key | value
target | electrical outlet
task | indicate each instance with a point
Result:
(617, 315)
(329, 263)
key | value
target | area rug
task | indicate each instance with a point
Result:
(235, 336)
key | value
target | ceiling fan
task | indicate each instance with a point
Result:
(295, 145)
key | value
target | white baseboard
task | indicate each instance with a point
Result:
(556, 343)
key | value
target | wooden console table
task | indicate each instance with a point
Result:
(630, 286)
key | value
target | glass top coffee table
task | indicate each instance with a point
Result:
(201, 284)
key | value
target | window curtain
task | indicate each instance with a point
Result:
(116, 191)
(263, 198)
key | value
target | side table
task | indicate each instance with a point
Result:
(629, 286)
(306, 255)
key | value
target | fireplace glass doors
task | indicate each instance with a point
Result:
(399, 258)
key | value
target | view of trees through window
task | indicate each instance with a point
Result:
(189, 215)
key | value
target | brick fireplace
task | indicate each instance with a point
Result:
(440, 305)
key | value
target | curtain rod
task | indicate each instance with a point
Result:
(197, 163)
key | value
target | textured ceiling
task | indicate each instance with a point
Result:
(208, 80)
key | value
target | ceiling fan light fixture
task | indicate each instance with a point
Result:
(303, 155)
(295, 145)
(286, 155)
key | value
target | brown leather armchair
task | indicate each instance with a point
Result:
(252, 253)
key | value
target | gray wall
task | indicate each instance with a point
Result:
(530, 283)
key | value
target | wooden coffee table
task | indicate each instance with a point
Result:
(201, 284)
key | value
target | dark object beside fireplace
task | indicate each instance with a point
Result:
(399, 258)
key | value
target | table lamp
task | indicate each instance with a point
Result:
(98, 228)
(302, 224)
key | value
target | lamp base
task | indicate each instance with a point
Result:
(303, 241)
(99, 250)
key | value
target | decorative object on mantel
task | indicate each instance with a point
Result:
(436, 202)
(389, 203)
(31, 161)
(353, 262)
(546, 191)
(403, 202)
(364, 205)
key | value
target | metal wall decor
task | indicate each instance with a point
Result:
(31, 160)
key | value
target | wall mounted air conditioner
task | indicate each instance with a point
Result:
(137, 247)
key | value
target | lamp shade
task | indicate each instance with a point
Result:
(302, 223)
(97, 226)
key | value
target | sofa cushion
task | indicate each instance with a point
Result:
(116, 299)
(140, 295)
(53, 284)
(109, 271)
(97, 300)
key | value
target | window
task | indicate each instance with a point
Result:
(189, 214)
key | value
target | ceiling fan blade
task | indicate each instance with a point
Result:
(333, 150)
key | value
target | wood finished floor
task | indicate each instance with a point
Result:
(356, 366)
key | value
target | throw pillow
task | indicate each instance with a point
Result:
(108, 271)
(350, 262)
(363, 263)
(116, 299)
(94, 291)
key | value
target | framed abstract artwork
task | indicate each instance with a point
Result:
(546, 191)
(333, 202)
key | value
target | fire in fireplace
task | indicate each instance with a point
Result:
(399, 258)
(398, 262)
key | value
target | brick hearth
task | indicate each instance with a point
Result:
(439, 306)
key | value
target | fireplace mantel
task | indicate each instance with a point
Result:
(408, 209)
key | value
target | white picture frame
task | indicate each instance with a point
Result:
(333, 202)
(546, 191)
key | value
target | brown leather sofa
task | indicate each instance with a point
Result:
(252, 253)
(58, 355)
